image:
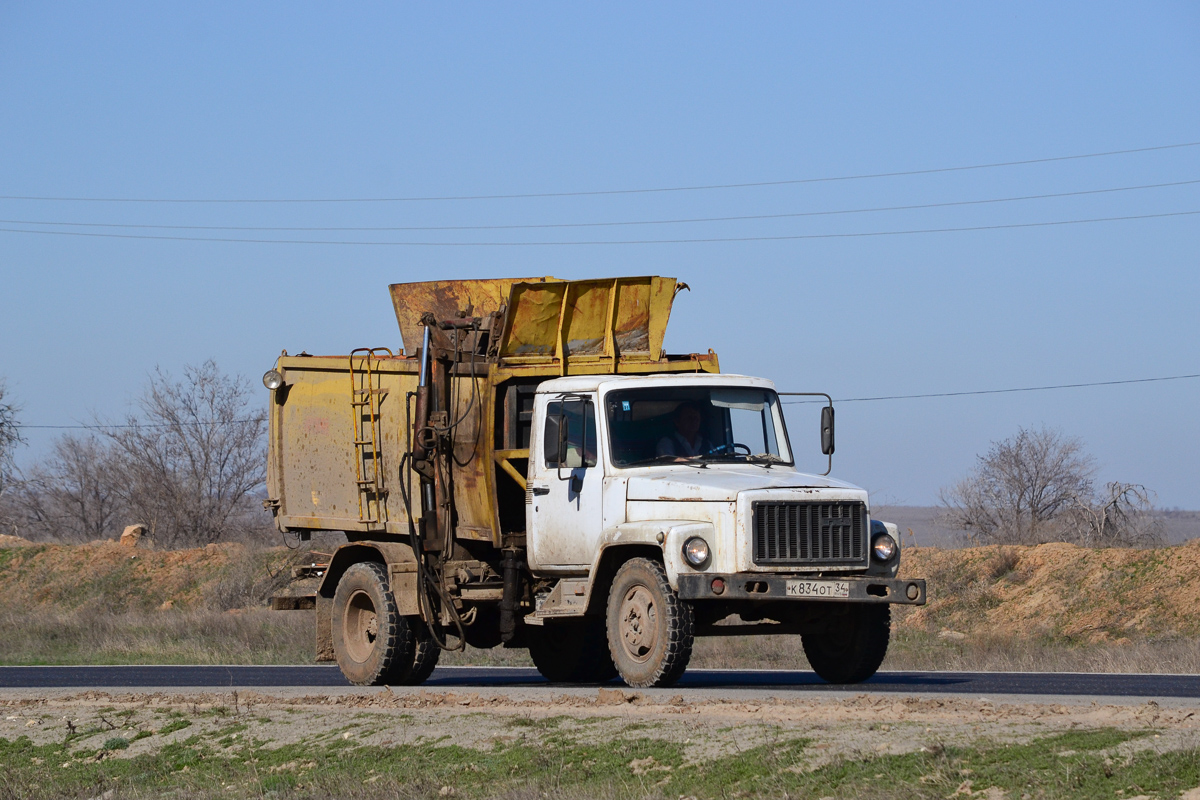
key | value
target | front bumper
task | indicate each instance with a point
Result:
(755, 586)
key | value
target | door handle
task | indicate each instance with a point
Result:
(539, 490)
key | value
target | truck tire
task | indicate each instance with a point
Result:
(855, 646)
(650, 630)
(571, 651)
(371, 641)
(424, 659)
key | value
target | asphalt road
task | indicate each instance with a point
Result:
(502, 678)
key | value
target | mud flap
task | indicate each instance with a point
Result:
(404, 590)
(325, 629)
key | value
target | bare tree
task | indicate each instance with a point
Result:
(188, 463)
(10, 438)
(1123, 515)
(1020, 488)
(72, 495)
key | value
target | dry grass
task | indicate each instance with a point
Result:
(94, 636)
(258, 636)
(1054, 607)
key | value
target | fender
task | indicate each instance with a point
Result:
(396, 555)
(630, 539)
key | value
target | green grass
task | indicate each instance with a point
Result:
(174, 725)
(11, 554)
(567, 764)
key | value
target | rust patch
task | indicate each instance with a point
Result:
(444, 299)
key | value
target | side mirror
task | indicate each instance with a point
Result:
(827, 430)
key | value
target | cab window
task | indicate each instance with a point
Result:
(579, 419)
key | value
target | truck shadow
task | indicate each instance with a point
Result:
(981, 684)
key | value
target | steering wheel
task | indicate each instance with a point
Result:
(732, 449)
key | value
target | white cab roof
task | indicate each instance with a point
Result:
(604, 383)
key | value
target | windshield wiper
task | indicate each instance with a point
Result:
(691, 461)
(765, 458)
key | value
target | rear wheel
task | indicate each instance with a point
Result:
(853, 647)
(424, 659)
(650, 630)
(370, 638)
(571, 651)
(373, 644)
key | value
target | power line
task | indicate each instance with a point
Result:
(100, 427)
(568, 243)
(604, 192)
(740, 218)
(785, 402)
(998, 391)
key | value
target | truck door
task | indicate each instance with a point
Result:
(565, 513)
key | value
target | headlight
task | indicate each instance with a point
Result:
(884, 547)
(695, 551)
(272, 380)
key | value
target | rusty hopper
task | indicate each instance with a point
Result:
(341, 427)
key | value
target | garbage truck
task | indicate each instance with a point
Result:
(531, 470)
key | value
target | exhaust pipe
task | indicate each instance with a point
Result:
(511, 566)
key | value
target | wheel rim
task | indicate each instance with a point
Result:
(639, 624)
(360, 626)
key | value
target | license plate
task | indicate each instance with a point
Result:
(818, 588)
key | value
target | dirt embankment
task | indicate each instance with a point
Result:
(1059, 591)
(114, 578)
(1051, 591)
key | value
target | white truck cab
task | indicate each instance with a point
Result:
(700, 469)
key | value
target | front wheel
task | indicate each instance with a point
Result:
(853, 647)
(650, 630)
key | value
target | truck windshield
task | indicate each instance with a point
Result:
(696, 423)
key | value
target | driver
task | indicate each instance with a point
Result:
(686, 442)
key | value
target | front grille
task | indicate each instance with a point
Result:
(810, 534)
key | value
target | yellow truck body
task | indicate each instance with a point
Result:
(335, 465)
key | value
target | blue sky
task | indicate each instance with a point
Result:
(294, 101)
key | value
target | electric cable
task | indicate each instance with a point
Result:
(181, 423)
(612, 224)
(604, 192)
(576, 243)
(995, 391)
(786, 402)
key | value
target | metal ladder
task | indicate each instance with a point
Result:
(366, 393)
